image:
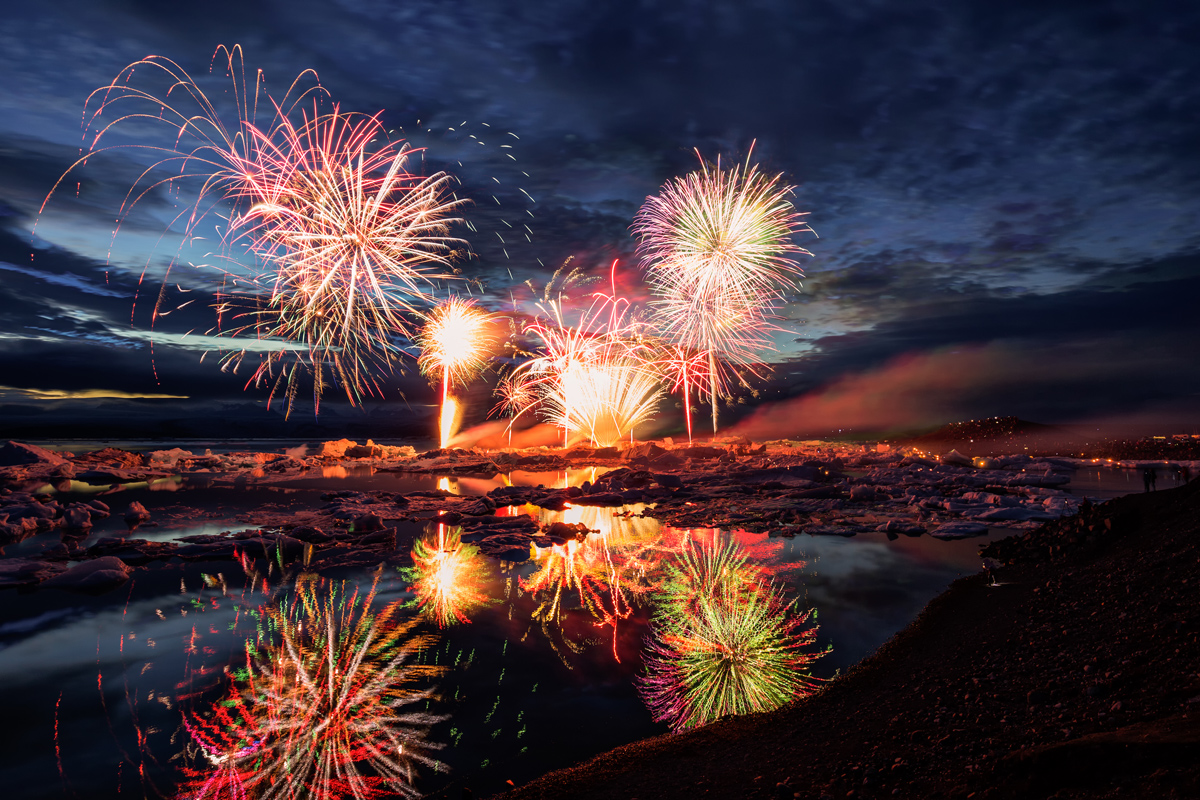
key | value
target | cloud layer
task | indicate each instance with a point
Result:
(1008, 196)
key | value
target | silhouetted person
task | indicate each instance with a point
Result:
(1149, 476)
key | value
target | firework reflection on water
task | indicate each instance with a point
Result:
(584, 605)
(724, 640)
(450, 577)
(325, 704)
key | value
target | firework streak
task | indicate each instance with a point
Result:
(322, 708)
(724, 641)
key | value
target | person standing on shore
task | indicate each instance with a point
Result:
(1149, 477)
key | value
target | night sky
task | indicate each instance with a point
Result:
(1007, 195)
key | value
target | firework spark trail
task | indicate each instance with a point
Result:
(682, 371)
(455, 342)
(449, 577)
(318, 710)
(343, 240)
(717, 245)
(724, 641)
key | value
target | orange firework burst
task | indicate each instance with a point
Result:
(717, 247)
(449, 577)
(595, 379)
(455, 342)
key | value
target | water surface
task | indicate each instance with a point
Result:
(542, 674)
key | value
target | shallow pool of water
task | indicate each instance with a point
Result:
(540, 662)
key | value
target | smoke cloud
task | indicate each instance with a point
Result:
(926, 389)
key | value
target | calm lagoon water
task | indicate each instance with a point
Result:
(541, 672)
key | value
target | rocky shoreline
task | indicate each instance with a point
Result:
(1078, 676)
(779, 489)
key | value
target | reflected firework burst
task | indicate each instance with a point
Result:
(610, 571)
(323, 706)
(449, 577)
(725, 642)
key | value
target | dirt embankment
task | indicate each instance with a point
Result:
(1078, 677)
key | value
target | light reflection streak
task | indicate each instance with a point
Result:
(610, 570)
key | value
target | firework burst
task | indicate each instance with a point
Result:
(717, 247)
(331, 241)
(348, 245)
(595, 379)
(725, 642)
(322, 708)
(455, 342)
